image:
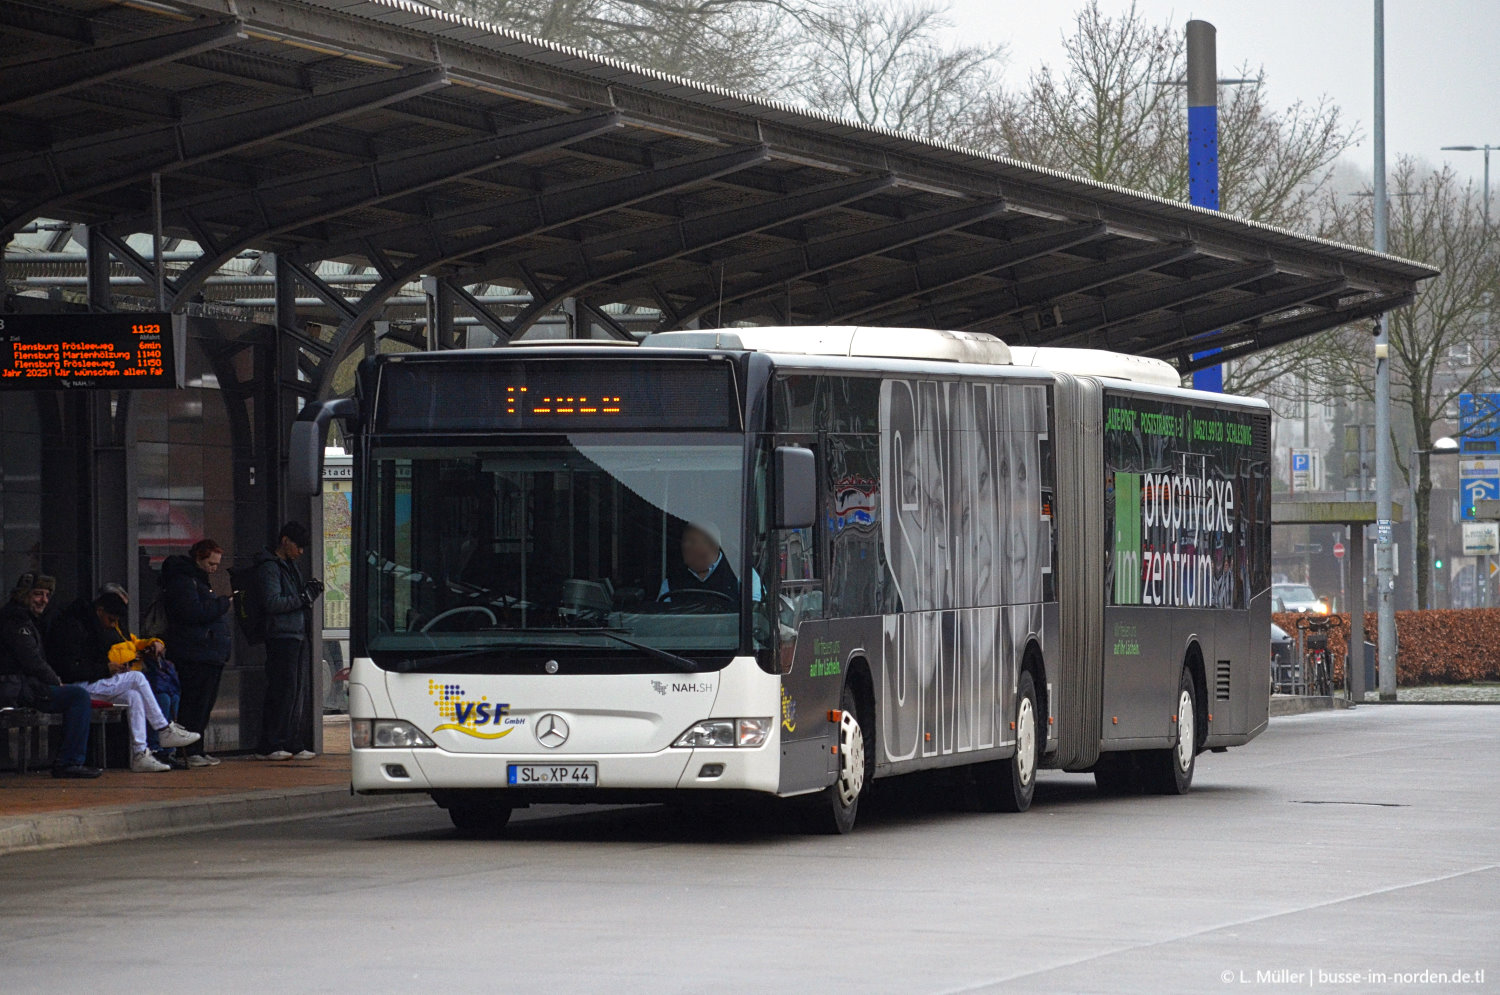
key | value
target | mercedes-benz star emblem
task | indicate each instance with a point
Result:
(551, 731)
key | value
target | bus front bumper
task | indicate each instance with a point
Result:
(382, 771)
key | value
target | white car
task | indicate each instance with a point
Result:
(1297, 598)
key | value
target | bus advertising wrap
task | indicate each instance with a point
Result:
(1182, 491)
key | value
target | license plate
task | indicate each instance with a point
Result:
(554, 775)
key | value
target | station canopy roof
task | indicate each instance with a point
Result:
(405, 142)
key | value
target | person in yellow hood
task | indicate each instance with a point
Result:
(87, 640)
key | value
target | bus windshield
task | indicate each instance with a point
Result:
(556, 542)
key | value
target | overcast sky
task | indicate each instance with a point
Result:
(1442, 59)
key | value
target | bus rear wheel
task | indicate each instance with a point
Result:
(1009, 785)
(834, 809)
(1170, 771)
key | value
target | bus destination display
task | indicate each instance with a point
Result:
(64, 351)
(545, 394)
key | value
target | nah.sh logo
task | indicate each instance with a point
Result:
(472, 718)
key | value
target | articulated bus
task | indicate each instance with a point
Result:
(792, 562)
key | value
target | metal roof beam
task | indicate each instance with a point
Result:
(1040, 290)
(694, 235)
(778, 269)
(329, 193)
(36, 20)
(58, 74)
(512, 219)
(486, 317)
(134, 156)
(1083, 325)
(931, 275)
(545, 211)
(427, 235)
(1283, 332)
(1166, 335)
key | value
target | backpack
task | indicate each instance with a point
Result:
(249, 613)
(154, 619)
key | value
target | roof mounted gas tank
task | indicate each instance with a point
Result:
(844, 340)
(1098, 363)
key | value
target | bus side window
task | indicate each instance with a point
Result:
(801, 590)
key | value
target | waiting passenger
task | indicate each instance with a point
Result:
(198, 630)
(86, 648)
(26, 680)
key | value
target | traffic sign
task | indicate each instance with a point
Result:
(1479, 423)
(1481, 538)
(1478, 480)
(1338, 551)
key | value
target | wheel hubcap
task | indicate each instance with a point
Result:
(1186, 734)
(1026, 741)
(851, 759)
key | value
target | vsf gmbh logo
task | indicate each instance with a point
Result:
(480, 719)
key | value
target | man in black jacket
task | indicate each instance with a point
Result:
(285, 601)
(26, 681)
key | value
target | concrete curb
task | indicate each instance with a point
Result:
(82, 827)
(1299, 704)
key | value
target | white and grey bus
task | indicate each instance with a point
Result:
(792, 562)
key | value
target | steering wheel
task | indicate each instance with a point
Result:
(700, 593)
(460, 610)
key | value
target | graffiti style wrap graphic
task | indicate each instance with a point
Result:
(788, 712)
(966, 531)
(472, 718)
(1183, 485)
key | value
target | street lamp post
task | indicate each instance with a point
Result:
(1384, 553)
(1446, 446)
(1486, 150)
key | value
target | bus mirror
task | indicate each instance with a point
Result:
(796, 488)
(305, 446)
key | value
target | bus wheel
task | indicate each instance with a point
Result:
(833, 810)
(479, 820)
(1008, 785)
(1171, 770)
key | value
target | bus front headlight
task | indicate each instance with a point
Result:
(722, 733)
(386, 734)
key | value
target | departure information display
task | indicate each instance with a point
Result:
(62, 351)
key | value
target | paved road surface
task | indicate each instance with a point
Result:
(1338, 842)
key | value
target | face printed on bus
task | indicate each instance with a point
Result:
(914, 514)
(1020, 475)
(971, 459)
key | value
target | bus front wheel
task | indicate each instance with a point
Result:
(478, 820)
(1170, 771)
(834, 809)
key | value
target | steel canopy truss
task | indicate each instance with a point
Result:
(373, 147)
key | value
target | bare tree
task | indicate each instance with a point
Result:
(736, 44)
(1114, 112)
(1445, 344)
(883, 64)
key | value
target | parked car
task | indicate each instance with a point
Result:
(1298, 598)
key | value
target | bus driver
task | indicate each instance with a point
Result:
(703, 568)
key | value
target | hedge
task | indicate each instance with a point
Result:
(1432, 647)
